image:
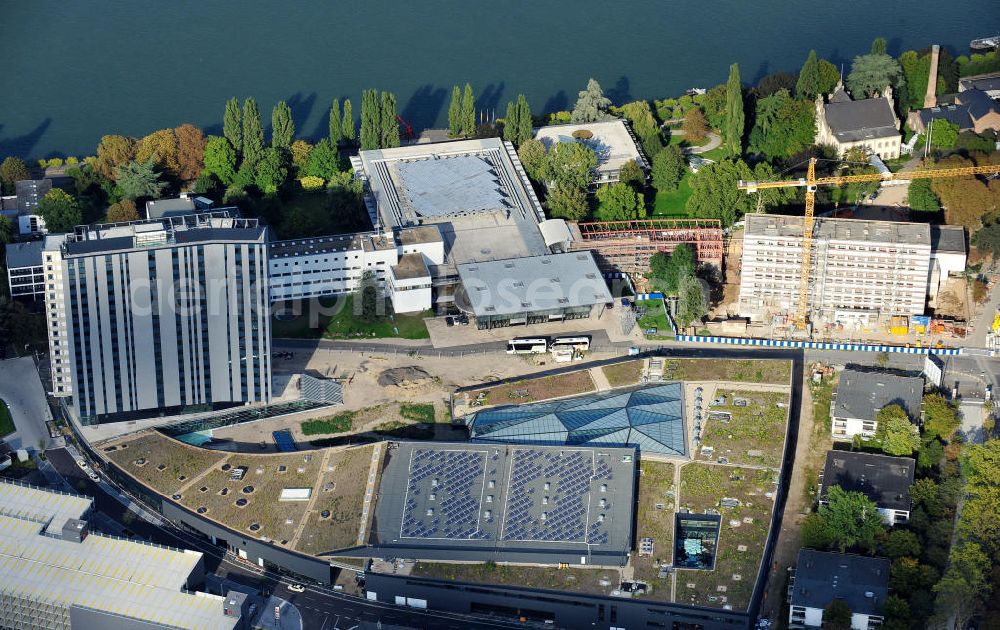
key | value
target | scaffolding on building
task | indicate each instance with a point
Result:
(627, 246)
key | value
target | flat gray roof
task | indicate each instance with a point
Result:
(948, 238)
(884, 479)
(27, 254)
(862, 394)
(189, 229)
(478, 502)
(821, 577)
(840, 229)
(535, 283)
(456, 184)
(410, 266)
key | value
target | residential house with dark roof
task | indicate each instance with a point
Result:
(869, 123)
(861, 395)
(884, 479)
(989, 83)
(822, 577)
(972, 110)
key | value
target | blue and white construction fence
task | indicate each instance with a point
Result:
(817, 345)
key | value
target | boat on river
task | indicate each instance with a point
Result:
(985, 43)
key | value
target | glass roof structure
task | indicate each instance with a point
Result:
(649, 417)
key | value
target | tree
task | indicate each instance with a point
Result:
(829, 77)
(943, 134)
(878, 46)
(534, 158)
(112, 152)
(920, 196)
(896, 611)
(282, 126)
(978, 518)
(837, 615)
(970, 141)
(253, 134)
(371, 120)
(965, 584)
(13, 169)
(900, 543)
(619, 202)
(455, 113)
(695, 126)
(715, 194)
(783, 126)
(895, 433)
(735, 120)
(300, 151)
(871, 74)
(692, 300)
(987, 240)
(468, 112)
(669, 167)
(566, 201)
(966, 200)
(232, 125)
(631, 173)
(272, 171)
(324, 160)
(848, 520)
(645, 126)
(668, 270)
(940, 417)
(336, 128)
(6, 230)
(190, 152)
(510, 122)
(571, 163)
(59, 211)
(807, 86)
(220, 159)
(366, 300)
(390, 126)
(713, 104)
(139, 179)
(347, 122)
(591, 104)
(907, 575)
(524, 121)
(122, 211)
(160, 147)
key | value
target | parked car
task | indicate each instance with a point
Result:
(82, 463)
(450, 321)
(296, 588)
(93, 476)
(463, 319)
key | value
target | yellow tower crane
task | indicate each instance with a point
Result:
(810, 182)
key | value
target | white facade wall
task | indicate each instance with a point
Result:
(802, 616)
(881, 278)
(411, 295)
(329, 273)
(847, 428)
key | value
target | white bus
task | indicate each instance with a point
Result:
(527, 345)
(580, 344)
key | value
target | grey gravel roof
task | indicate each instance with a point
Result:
(457, 184)
(948, 238)
(851, 121)
(883, 479)
(25, 254)
(861, 394)
(821, 577)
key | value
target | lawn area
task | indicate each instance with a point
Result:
(624, 373)
(742, 535)
(742, 370)
(756, 432)
(6, 421)
(339, 423)
(576, 580)
(418, 412)
(654, 317)
(671, 205)
(531, 390)
(656, 487)
(334, 318)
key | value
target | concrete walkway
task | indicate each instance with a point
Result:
(22, 390)
(714, 140)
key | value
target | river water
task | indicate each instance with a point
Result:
(73, 71)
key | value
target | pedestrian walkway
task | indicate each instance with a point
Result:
(369, 492)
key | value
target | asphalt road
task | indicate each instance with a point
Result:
(22, 390)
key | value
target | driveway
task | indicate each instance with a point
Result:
(22, 390)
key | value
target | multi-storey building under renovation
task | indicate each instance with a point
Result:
(861, 271)
(160, 315)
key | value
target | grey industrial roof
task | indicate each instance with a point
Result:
(883, 479)
(30, 192)
(948, 238)
(434, 497)
(194, 228)
(368, 241)
(449, 185)
(851, 121)
(839, 229)
(535, 283)
(134, 580)
(986, 82)
(978, 103)
(160, 208)
(821, 577)
(27, 254)
(420, 234)
(861, 395)
(648, 417)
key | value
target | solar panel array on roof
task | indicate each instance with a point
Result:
(649, 417)
(451, 185)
